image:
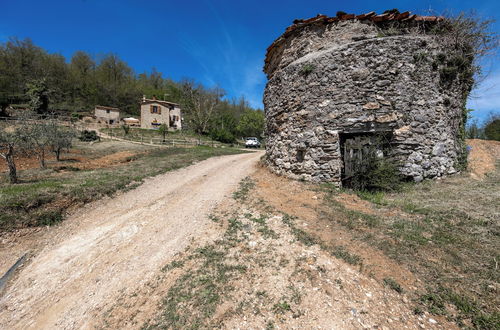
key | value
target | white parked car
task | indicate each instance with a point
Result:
(252, 142)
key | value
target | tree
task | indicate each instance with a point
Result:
(492, 128)
(200, 105)
(38, 94)
(251, 123)
(126, 129)
(34, 136)
(59, 138)
(474, 131)
(8, 142)
(163, 130)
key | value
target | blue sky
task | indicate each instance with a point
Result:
(216, 42)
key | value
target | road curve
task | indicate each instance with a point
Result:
(118, 244)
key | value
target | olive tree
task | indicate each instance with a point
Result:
(8, 143)
(163, 130)
(59, 137)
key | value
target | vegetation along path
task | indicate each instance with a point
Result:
(118, 244)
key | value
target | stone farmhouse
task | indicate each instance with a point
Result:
(336, 85)
(156, 112)
(108, 115)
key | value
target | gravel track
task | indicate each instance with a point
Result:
(117, 245)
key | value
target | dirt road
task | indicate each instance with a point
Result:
(117, 245)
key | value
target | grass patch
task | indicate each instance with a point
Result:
(282, 307)
(45, 194)
(192, 300)
(307, 239)
(391, 283)
(447, 233)
(245, 186)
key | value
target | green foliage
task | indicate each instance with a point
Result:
(222, 135)
(38, 94)
(251, 124)
(391, 283)
(31, 75)
(375, 174)
(126, 128)
(392, 11)
(492, 129)
(163, 130)
(420, 57)
(307, 69)
(88, 136)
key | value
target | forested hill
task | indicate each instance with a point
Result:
(31, 77)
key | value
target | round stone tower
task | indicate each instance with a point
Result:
(335, 84)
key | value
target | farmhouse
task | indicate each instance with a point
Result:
(107, 115)
(156, 112)
(341, 86)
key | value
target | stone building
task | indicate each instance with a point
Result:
(108, 115)
(156, 112)
(339, 84)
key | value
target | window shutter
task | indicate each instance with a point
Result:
(159, 109)
(151, 108)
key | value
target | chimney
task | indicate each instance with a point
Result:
(144, 98)
(154, 97)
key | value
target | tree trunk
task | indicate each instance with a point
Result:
(9, 157)
(41, 158)
(58, 154)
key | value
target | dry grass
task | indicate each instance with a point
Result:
(447, 233)
(44, 194)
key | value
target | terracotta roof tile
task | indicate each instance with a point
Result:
(370, 16)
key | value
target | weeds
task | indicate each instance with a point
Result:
(282, 307)
(307, 239)
(174, 264)
(244, 189)
(447, 234)
(307, 69)
(391, 283)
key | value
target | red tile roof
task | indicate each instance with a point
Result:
(298, 24)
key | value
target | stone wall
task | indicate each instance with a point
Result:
(169, 114)
(343, 78)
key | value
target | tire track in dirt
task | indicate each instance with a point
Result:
(119, 245)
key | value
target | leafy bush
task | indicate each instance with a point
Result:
(307, 69)
(376, 174)
(222, 135)
(492, 129)
(126, 129)
(88, 136)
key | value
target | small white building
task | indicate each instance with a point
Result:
(156, 112)
(108, 115)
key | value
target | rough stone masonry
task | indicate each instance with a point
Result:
(331, 79)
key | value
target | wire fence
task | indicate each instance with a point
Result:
(132, 137)
(160, 141)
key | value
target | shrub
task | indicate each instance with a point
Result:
(222, 135)
(375, 174)
(492, 129)
(76, 116)
(126, 129)
(307, 69)
(88, 136)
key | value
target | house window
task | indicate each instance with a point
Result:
(107, 111)
(155, 109)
